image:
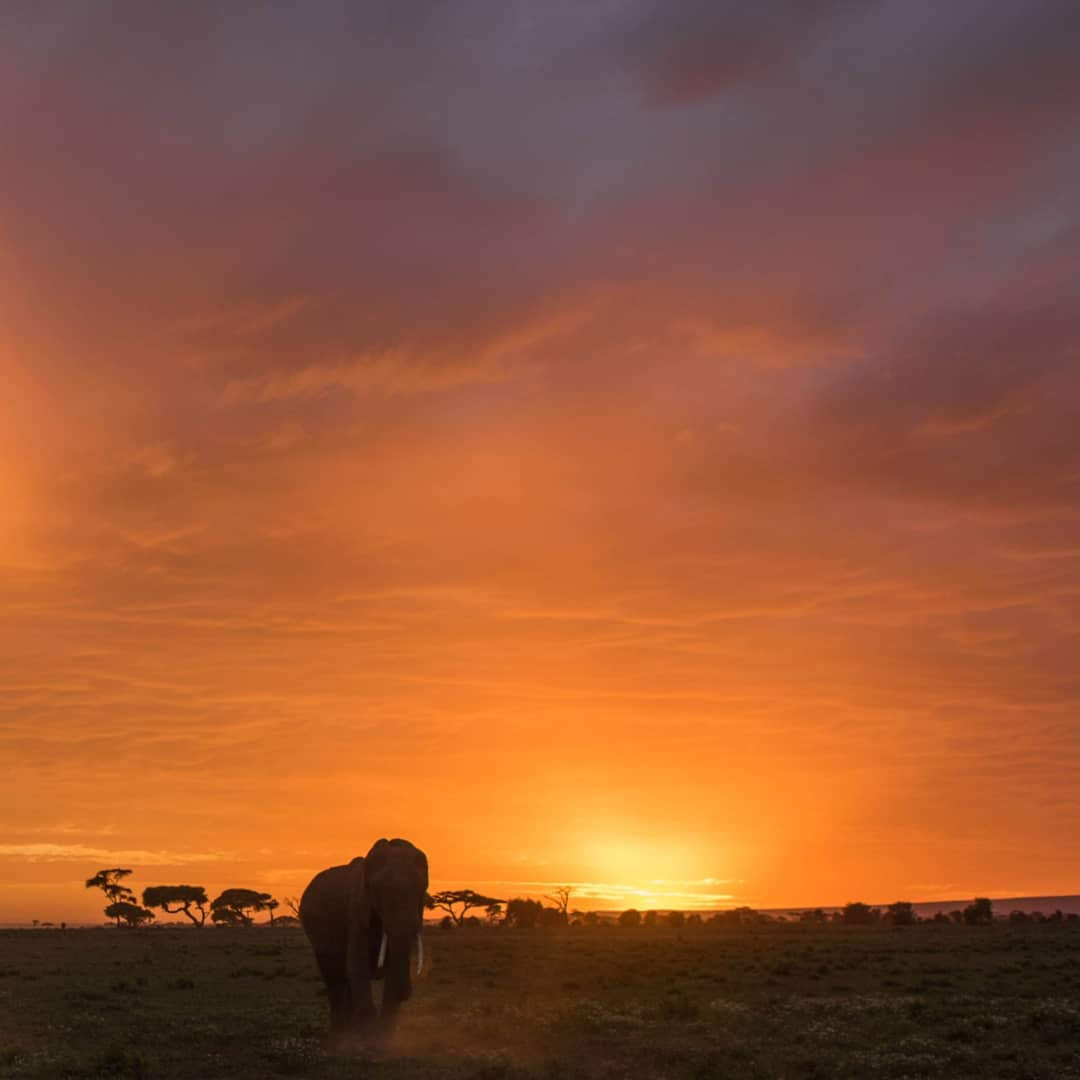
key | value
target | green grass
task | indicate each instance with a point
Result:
(779, 1002)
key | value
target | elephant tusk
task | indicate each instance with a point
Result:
(419, 954)
(382, 951)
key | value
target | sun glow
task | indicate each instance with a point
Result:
(653, 874)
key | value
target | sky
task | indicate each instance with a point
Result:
(632, 444)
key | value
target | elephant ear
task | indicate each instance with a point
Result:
(359, 907)
(420, 859)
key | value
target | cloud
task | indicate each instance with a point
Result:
(49, 852)
(931, 420)
(384, 375)
(685, 52)
(538, 421)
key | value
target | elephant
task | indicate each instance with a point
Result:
(361, 920)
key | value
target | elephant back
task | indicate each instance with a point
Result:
(325, 904)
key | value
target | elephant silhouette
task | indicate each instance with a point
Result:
(362, 920)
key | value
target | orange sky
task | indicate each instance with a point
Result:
(632, 447)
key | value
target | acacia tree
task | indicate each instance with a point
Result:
(561, 899)
(183, 897)
(466, 899)
(128, 913)
(110, 882)
(235, 907)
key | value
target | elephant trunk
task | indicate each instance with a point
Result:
(396, 966)
(381, 962)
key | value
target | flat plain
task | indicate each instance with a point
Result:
(768, 1003)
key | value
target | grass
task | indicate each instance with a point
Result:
(999, 1003)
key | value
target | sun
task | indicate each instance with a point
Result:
(652, 872)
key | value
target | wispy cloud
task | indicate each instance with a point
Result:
(387, 374)
(50, 852)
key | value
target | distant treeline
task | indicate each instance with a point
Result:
(233, 907)
(237, 907)
(525, 913)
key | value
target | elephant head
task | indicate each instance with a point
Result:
(395, 882)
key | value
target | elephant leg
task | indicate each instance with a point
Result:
(360, 970)
(337, 990)
(337, 993)
(361, 1005)
(388, 1017)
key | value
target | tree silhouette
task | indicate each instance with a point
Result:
(127, 913)
(902, 913)
(522, 913)
(859, 914)
(234, 907)
(561, 899)
(675, 918)
(493, 912)
(649, 918)
(110, 883)
(630, 917)
(550, 916)
(466, 899)
(981, 912)
(182, 897)
(740, 916)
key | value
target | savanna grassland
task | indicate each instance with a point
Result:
(776, 1002)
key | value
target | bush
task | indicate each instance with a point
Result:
(980, 913)
(902, 913)
(860, 914)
